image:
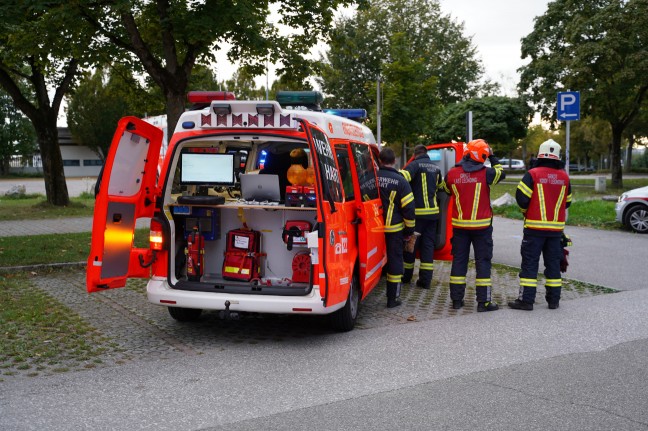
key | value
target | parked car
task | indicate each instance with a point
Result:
(515, 164)
(632, 209)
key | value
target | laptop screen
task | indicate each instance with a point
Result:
(260, 187)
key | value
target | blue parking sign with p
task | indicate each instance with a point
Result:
(569, 106)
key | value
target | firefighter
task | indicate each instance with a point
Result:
(543, 194)
(472, 218)
(398, 211)
(425, 179)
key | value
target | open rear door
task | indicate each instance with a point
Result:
(334, 277)
(127, 192)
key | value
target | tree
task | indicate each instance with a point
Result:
(501, 121)
(170, 37)
(100, 100)
(599, 47)
(362, 46)
(17, 135)
(43, 50)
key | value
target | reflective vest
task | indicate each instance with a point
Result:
(471, 209)
(424, 176)
(397, 200)
(548, 199)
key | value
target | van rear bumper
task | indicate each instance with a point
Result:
(159, 293)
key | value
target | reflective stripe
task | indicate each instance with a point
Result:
(553, 282)
(406, 174)
(546, 225)
(457, 201)
(407, 199)
(427, 266)
(471, 223)
(543, 204)
(498, 173)
(426, 202)
(407, 265)
(473, 215)
(482, 282)
(526, 190)
(394, 278)
(561, 196)
(394, 228)
(390, 210)
(409, 223)
(426, 211)
(458, 279)
(529, 282)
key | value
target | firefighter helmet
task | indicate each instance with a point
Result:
(478, 150)
(549, 150)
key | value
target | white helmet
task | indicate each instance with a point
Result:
(549, 150)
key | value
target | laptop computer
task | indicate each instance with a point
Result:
(260, 187)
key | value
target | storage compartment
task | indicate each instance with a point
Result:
(246, 249)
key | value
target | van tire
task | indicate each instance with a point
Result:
(185, 314)
(344, 319)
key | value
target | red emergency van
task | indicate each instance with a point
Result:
(257, 207)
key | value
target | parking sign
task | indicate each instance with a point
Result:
(568, 106)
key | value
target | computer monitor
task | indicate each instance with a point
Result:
(207, 169)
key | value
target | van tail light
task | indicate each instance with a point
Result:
(156, 237)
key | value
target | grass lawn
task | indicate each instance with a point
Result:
(35, 206)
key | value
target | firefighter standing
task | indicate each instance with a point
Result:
(544, 193)
(425, 179)
(472, 218)
(398, 211)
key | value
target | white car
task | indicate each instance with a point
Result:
(632, 209)
(515, 164)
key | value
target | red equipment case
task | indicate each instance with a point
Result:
(242, 255)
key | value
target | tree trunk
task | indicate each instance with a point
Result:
(628, 165)
(175, 106)
(55, 185)
(615, 159)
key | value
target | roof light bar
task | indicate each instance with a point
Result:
(206, 97)
(352, 114)
(308, 99)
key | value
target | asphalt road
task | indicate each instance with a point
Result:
(581, 367)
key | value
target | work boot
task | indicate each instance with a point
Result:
(487, 306)
(420, 283)
(520, 305)
(554, 305)
(457, 304)
(391, 303)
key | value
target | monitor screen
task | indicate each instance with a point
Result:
(207, 169)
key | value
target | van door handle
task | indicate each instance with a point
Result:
(357, 220)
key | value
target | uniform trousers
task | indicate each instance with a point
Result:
(552, 252)
(482, 242)
(394, 242)
(425, 246)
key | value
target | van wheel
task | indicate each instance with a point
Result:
(637, 219)
(185, 314)
(344, 319)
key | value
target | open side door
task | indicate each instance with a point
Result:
(334, 278)
(445, 156)
(127, 192)
(371, 237)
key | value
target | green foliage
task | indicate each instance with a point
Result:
(599, 47)
(17, 135)
(501, 121)
(420, 55)
(363, 45)
(169, 38)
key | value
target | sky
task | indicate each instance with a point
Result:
(496, 28)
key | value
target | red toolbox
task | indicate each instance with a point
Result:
(242, 255)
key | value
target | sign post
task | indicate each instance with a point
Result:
(568, 109)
